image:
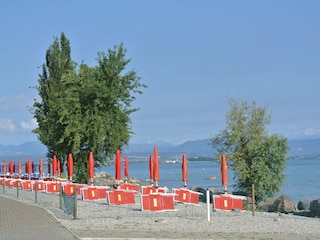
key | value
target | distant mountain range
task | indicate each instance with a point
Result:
(304, 147)
(191, 148)
(197, 148)
(27, 148)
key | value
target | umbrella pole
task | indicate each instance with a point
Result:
(185, 184)
(225, 189)
(156, 186)
(117, 184)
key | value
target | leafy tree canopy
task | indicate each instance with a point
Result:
(85, 108)
(254, 156)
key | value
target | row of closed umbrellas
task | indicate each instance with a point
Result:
(153, 168)
(30, 167)
(155, 175)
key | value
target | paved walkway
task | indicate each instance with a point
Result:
(29, 222)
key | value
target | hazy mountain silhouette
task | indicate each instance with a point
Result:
(191, 148)
(304, 147)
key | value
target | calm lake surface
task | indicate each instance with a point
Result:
(302, 176)
(302, 179)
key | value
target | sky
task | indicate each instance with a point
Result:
(193, 55)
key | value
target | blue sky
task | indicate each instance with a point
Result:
(193, 55)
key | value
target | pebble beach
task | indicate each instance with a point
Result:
(99, 220)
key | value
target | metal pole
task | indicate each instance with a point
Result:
(60, 196)
(208, 204)
(75, 207)
(253, 200)
(36, 191)
(4, 184)
(185, 185)
(18, 186)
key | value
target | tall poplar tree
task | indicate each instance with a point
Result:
(47, 112)
(254, 156)
(87, 108)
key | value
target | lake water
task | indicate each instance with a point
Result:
(302, 176)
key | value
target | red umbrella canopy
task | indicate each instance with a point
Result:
(90, 166)
(126, 166)
(41, 166)
(184, 168)
(70, 166)
(19, 167)
(29, 166)
(49, 168)
(11, 167)
(4, 168)
(224, 170)
(151, 167)
(156, 175)
(58, 167)
(118, 165)
(54, 165)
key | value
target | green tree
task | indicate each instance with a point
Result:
(254, 156)
(87, 108)
(48, 111)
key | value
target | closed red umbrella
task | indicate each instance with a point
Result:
(156, 174)
(91, 167)
(224, 172)
(4, 168)
(126, 167)
(118, 165)
(184, 170)
(58, 167)
(151, 168)
(49, 168)
(19, 168)
(11, 167)
(41, 167)
(29, 167)
(70, 166)
(32, 167)
(54, 166)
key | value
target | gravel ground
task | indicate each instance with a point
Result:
(188, 221)
(98, 220)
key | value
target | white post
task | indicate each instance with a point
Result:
(208, 204)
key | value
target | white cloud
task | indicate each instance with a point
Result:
(32, 124)
(6, 124)
(311, 131)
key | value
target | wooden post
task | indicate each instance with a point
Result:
(18, 186)
(36, 191)
(75, 207)
(253, 200)
(60, 195)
